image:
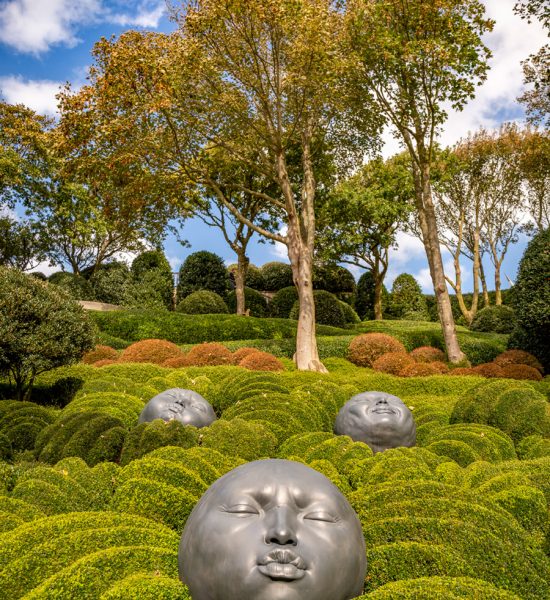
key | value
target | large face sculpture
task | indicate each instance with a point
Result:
(273, 530)
(185, 406)
(378, 419)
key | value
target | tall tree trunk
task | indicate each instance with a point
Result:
(486, 299)
(498, 293)
(240, 278)
(378, 279)
(428, 226)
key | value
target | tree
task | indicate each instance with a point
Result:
(151, 274)
(359, 221)
(536, 68)
(255, 74)
(203, 271)
(41, 328)
(417, 56)
(20, 244)
(535, 169)
(406, 299)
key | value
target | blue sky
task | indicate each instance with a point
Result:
(44, 43)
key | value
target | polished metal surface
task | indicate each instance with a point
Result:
(186, 406)
(273, 530)
(380, 420)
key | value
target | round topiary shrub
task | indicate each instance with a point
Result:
(203, 271)
(209, 354)
(282, 302)
(407, 297)
(521, 372)
(241, 353)
(261, 361)
(518, 357)
(152, 280)
(41, 327)
(531, 295)
(496, 319)
(424, 369)
(462, 371)
(150, 351)
(327, 309)
(202, 302)
(254, 278)
(488, 370)
(276, 276)
(350, 316)
(253, 302)
(177, 362)
(110, 282)
(392, 362)
(76, 286)
(100, 352)
(333, 278)
(22, 422)
(426, 354)
(104, 362)
(366, 348)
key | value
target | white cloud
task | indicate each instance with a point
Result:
(279, 251)
(36, 94)
(45, 267)
(174, 262)
(33, 26)
(148, 15)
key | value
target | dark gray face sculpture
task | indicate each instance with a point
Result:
(273, 530)
(378, 419)
(185, 406)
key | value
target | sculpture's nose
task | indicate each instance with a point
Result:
(381, 401)
(281, 526)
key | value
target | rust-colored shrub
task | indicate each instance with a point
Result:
(239, 354)
(100, 352)
(177, 362)
(104, 362)
(462, 371)
(262, 361)
(366, 348)
(392, 362)
(422, 369)
(150, 351)
(518, 357)
(488, 370)
(427, 354)
(512, 371)
(209, 354)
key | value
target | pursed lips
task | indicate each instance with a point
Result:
(284, 565)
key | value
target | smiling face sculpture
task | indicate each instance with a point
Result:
(185, 406)
(378, 419)
(273, 530)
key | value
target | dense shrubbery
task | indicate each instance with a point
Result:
(334, 279)
(203, 271)
(254, 302)
(498, 319)
(202, 302)
(282, 302)
(150, 351)
(328, 310)
(254, 278)
(41, 327)
(366, 348)
(276, 276)
(532, 300)
(364, 297)
(406, 299)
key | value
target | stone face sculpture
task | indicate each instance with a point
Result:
(186, 406)
(273, 530)
(378, 419)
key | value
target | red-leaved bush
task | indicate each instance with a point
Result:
(518, 357)
(261, 361)
(366, 348)
(100, 352)
(521, 372)
(423, 369)
(209, 354)
(426, 354)
(239, 354)
(462, 371)
(150, 351)
(392, 362)
(177, 362)
(488, 370)
(104, 362)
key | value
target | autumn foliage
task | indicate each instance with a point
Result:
(518, 357)
(512, 371)
(426, 354)
(100, 352)
(150, 351)
(366, 348)
(209, 354)
(261, 361)
(392, 362)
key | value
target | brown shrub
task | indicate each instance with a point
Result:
(512, 371)
(422, 369)
(366, 348)
(518, 357)
(104, 362)
(261, 361)
(462, 371)
(209, 354)
(150, 351)
(100, 352)
(427, 354)
(239, 354)
(177, 362)
(488, 370)
(392, 362)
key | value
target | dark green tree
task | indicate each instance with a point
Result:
(203, 270)
(407, 300)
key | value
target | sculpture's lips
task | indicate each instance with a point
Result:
(285, 565)
(384, 410)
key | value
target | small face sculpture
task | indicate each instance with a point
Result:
(378, 419)
(185, 406)
(273, 530)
